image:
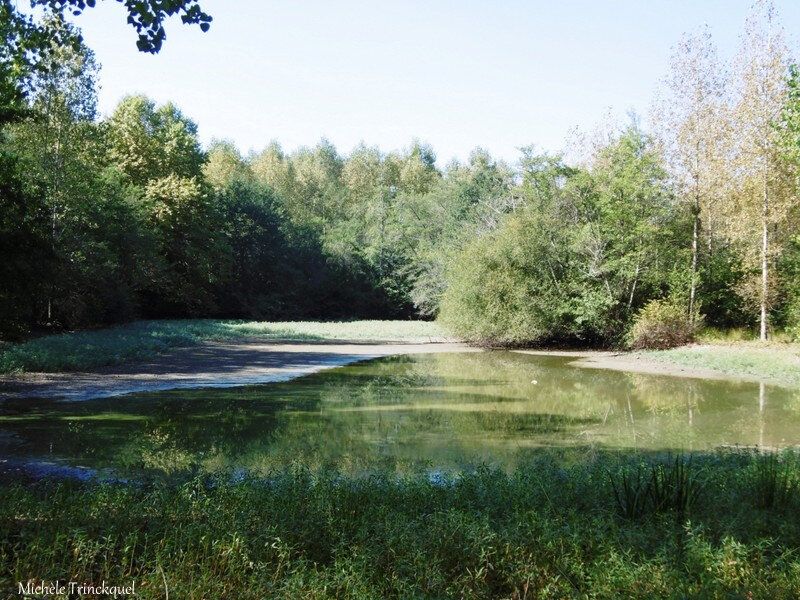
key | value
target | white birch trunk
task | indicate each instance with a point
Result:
(764, 261)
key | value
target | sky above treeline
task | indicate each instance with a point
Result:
(453, 73)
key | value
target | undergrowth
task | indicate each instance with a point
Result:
(544, 530)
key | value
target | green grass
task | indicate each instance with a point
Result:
(545, 530)
(144, 339)
(776, 362)
(713, 335)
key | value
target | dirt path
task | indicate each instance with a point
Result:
(210, 365)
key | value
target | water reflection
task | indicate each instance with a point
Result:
(441, 409)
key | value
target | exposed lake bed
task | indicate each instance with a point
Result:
(447, 409)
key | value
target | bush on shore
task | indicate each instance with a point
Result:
(793, 320)
(500, 293)
(661, 325)
(574, 267)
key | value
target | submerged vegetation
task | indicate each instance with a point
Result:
(545, 529)
(442, 409)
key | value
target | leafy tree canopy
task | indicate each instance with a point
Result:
(145, 16)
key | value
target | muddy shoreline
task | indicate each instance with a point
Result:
(243, 362)
(212, 364)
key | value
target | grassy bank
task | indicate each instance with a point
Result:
(144, 339)
(541, 531)
(777, 362)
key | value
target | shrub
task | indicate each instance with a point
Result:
(793, 320)
(522, 285)
(500, 292)
(661, 325)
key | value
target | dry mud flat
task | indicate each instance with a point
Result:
(211, 365)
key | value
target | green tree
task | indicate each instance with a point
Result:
(318, 191)
(273, 168)
(417, 170)
(157, 151)
(625, 217)
(762, 191)
(25, 42)
(693, 133)
(58, 141)
(149, 142)
(586, 249)
(24, 247)
(60, 217)
(224, 165)
(145, 16)
(467, 201)
(789, 141)
(259, 279)
(196, 257)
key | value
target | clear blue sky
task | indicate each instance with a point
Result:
(456, 74)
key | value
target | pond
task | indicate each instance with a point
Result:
(440, 411)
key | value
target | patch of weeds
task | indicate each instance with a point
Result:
(631, 491)
(773, 482)
(663, 486)
(674, 485)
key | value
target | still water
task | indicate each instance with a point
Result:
(437, 410)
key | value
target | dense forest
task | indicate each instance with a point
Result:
(104, 220)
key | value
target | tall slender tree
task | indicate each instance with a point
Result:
(764, 190)
(58, 134)
(692, 135)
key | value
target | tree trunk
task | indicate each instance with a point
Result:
(633, 287)
(695, 237)
(764, 262)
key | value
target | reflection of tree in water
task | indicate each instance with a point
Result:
(160, 452)
(714, 413)
(165, 430)
(444, 409)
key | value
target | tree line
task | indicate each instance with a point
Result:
(699, 216)
(106, 220)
